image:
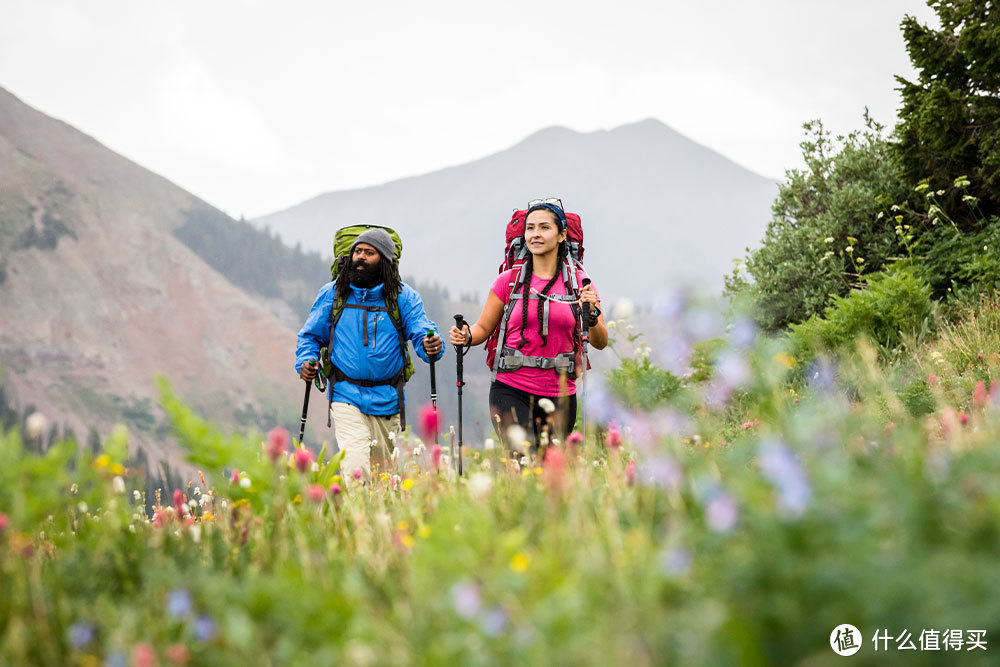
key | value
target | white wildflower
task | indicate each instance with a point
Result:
(36, 425)
(315, 466)
(137, 496)
(82, 507)
(195, 531)
(245, 482)
(118, 484)
(480, 485)
(547, 405)
(489, 444)
(197, 491)
(516, 435)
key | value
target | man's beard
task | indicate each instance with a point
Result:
(365, 276)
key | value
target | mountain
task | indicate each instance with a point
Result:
(657, 208)
(101, 290)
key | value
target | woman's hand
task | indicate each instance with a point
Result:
(461, 336)
(588, 295)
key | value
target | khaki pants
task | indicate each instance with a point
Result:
(364, 439)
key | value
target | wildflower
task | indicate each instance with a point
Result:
(427, 418)
(118, 484)
(423, 532)
(315, 492)
(4, 522)
(466, 599)
(787, 475)
(676, 561)
(35, 425)
(722, 513)
(554, 469)
(932, 379)
(630, 473)
(613, 440)
(519, 563)
(750, 423)
(179, 603)
(80, 634)
(277, 443)
(480, 485)
(178, 653)
(525, 462)
(204, 629)
(963, 418)
(303, 458)
(143, 655)
(74, 489)
(547, 405)
(493, 622)
(407, 484)
(235, 477)
(979, 395)
(136, 495)
(516, 436)
(358, 472)
(245, 482)
(335, 489)
(574, 439)
(436, 456)
(396, 479)
(489, 444)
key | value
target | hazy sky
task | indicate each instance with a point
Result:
(256, 106)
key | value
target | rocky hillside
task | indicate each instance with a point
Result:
(99, 295)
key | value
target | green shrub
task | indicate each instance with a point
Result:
(896, 303)
(642, 385)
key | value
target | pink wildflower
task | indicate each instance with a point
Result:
(178, 653)
(4, 522)
(890, 426)
(614, 438)
(277, 443)
(428, 420)
(316, 492)
(574, 440)
(932, 379)
(963, 418)
(357, 473)
(335, 489)
(630, 473)
(143, 655)
(159, 519)
(436, 456)
(554, 468)
(303, 458)
(750, 423)
(235, 478)
(979, 395)
(179, 504)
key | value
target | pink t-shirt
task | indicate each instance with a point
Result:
(562, 323)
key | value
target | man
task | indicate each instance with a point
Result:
(366, 391)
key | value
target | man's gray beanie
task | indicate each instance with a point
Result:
(380, 240)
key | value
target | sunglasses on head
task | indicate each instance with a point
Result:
(554, 201)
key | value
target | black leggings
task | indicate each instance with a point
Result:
(516, 406)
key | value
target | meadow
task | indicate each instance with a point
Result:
(733, 513)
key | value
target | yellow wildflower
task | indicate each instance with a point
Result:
(423, 532)
(519, 563)
(102, 461)
(407, 484)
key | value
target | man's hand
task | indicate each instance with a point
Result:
(432, 345)
(308, 370)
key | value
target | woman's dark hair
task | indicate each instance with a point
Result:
(389, 278)
(528, 270)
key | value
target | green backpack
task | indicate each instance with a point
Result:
(343, 241)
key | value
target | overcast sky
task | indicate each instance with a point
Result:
(255, 106)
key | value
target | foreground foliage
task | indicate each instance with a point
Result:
(738, 522)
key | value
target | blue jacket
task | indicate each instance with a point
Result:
(380, 359)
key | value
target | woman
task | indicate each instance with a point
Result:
(542, 333)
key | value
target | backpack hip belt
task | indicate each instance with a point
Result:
(511, 359)
(398, 381)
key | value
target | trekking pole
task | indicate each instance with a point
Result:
(460, 351)
(434, 386)
(584, 339)
(320, 381)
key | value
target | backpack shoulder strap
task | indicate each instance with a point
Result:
(502, 337)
